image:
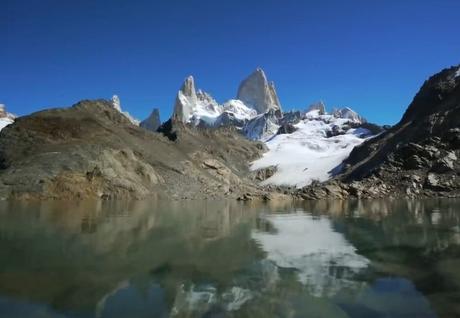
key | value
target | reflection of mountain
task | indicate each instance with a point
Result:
(225, 259)
(325, 262)
(415, 239)
(71, 258)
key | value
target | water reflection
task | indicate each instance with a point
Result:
(226, 259)
(323, 259)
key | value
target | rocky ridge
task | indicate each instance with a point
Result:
(91, 150)
(418, 157)
(153, 122)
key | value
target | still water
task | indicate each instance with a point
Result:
(229, 259)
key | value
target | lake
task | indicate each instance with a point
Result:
(157, 258)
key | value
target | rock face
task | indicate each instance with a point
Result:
(91, 150)
(186, 100)
(153, 122)
(202, 110)
(116, 103)
(419, 155)
(263, 126)
(256, 92)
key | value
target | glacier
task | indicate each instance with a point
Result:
(315, 151)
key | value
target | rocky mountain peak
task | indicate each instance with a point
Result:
(116, 103)
(440, 92)
(256, 92)
(186, 100)
(319, 106)
(152, 122)
(188, 87)
(348, 113)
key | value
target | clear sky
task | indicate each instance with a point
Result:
(370, 55)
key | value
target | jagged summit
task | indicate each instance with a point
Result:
(152, 122)
(318, 106)
(188, 87)
(199, 108)
(192, 106)
(256, 92)
(185, 100)
(116, 103)
(348, 113)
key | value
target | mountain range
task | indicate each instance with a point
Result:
(243, 148)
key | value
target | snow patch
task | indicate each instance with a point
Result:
(309, 153)
(457, 74)
(239, 109)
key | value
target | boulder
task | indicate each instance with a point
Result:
(286, 129)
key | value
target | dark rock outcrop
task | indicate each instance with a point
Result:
(286, 129)
(416, 157)
(263, 126)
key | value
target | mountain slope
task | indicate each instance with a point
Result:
(416, 157)
(92, 150)
(314, 150)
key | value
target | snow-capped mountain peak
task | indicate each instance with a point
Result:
(5, 117)
(258, 93)
(117, 105)
(348, 113)
(319, 107)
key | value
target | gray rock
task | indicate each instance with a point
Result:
(291, 117)
(414, 162)
(185, 100)
(262, 126)
(264, 174)
(445, 164)
(153, 122)
(286, 128)
(256, 92)
(229, 119)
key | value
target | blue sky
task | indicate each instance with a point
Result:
(369, 55)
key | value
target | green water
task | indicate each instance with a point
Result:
(229, 259)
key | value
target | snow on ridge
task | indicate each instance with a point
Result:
(5, 117)
(309, 153)
(239, 109)
(457, 74)
(117, 105)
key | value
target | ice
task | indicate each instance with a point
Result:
(309, 154)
